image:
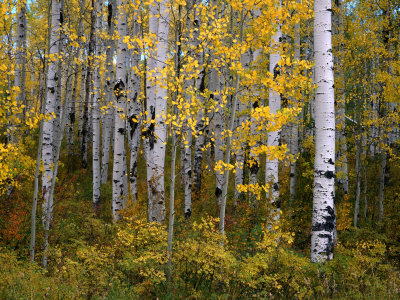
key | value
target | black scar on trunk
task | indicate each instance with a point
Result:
(188, 213)
(329, 174)
(119, 87)
(133, 172)
(218, 192)
(110, 12)
(329, 223)
(150, 130)
(133, 124)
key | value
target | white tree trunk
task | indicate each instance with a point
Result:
(158, 198)
(134, 118)
(150, 109)
(72, 106)
(199, 142)
(108, 86)
(323, 217)
(48, 125)
(20, 57)
(96, 111)
(271, 166)
(82, 97)
(36, 189)
(119, 165)
(88, 91)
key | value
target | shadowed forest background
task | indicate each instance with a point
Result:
(188, 149)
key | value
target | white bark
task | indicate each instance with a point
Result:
(88, 91)
(158, 198)
(108, 84)
(150, 109)
(157, 109)
(35, 190)
(323, 217)
(199, 142)
(72, 106)
(134, 118)
(96, 111)
(271, 166)
(119, 164)
(20, 57)
(82, 98)
(57, 145)
(48, 126)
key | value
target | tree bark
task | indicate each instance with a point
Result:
(271, 166)
(119, 164)
(323, 217)
(96, 110)
(108, 86)
(48, 125)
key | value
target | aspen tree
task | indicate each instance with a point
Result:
(20, 57)
(96, 108)
(48, 126)
(156, 110)
(150, 107)
(294, 128)
(88, 85)
(187, 130)
(119, 162)
(72, 106)
(200, 87)
(158, 198)
(271, 166)
(134, 112)
(323, 217)
(108, 87)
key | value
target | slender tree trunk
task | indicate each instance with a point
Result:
(35, 190)
(323, 217)
(150, 109)
(57, 145)
(20, 57)
(108, 86)
(96, 111)
(160, 111)
(88, 94)
(135, 121)
(271, 166)
(119, 164)
(82, 97)
(72, 106)
(294, 128)
(157, 108)
(199, 84)
(48, 125)
(171, 206)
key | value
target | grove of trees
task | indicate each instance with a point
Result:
(217, 149)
